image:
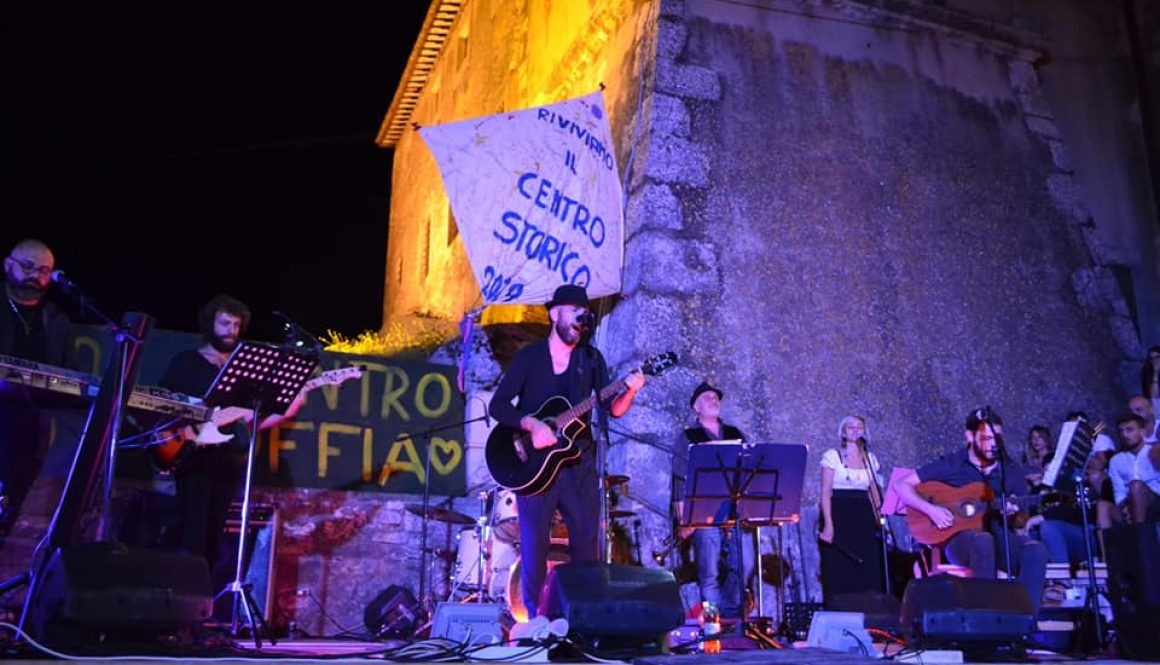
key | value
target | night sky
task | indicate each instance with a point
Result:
(170, 152)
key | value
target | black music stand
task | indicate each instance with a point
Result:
(744, 484)
(266, 378)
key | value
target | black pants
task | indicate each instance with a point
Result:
(983, 553)
(576, 493)
(207, 482)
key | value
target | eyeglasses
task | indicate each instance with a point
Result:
(30, 267)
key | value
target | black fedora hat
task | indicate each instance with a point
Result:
(704, 388)
(568, 294)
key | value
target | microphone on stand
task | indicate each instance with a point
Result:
(297, 337)
(58, 278)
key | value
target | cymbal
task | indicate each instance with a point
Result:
(440, 514)
(615, 479)
(618, 514)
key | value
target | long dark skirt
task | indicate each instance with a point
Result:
(853, 563)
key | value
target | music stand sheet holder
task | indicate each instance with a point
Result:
(266, 378)
(772, 475)
(744, 485)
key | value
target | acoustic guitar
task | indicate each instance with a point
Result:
(516, 464)
(969, 505)
(170, 446)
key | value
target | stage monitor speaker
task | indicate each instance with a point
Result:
(609, 600)
(881, 610)
(1133, 551)
(394, 613)
(104, 586)
(949, 610)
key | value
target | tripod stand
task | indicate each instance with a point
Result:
(426, 601)
(1091, 601)
(267, 379)
(744, 485)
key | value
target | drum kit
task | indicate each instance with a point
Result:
(486, 565)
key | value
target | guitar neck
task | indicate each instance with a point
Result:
(581, 408)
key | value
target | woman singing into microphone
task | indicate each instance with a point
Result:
(849, 538)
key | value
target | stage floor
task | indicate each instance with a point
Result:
(339, 651)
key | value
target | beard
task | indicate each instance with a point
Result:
(568, 334)
(984, 455)
(27, 291)
(222, 344)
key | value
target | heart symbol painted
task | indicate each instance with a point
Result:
(452, 451)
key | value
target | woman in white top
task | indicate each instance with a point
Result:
(849, 538)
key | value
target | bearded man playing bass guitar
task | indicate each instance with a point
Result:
(560, 365)
(981, 550)
(208, 478)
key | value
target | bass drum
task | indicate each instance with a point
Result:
(557, 554)
(506, 522)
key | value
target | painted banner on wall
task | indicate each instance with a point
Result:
(537, 197)
(373, 433)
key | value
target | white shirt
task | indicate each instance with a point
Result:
(850, 479)
(1103, 443)
(1126, 467)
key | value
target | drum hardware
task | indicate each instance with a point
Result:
(557, 554)
(614, 479)
(506, 524)
(621, 514)
(670, 543)
(440, 514)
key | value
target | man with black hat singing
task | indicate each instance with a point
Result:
(561, 365)
(714, 549)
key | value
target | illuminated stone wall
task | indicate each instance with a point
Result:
(502, 55)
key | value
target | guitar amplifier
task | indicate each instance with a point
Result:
(261, 549)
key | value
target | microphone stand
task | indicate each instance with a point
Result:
(1002, 447)
(875, 493)
(124, 339)
(1091, 601)
(424, 574)
(600, 423)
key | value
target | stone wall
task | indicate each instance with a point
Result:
(848, 209)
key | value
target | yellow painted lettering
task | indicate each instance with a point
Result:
(391, 394)
(89, 347)
(325, 450)
(368, 453)
(444, 386)
(364, 399)
(411, 464)
(278, 443)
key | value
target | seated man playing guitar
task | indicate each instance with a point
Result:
(975, 543)
(561, 365)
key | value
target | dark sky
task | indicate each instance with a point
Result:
(167, 152)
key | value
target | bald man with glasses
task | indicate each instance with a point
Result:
(30, 326)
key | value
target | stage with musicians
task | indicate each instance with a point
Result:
(92, 585)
